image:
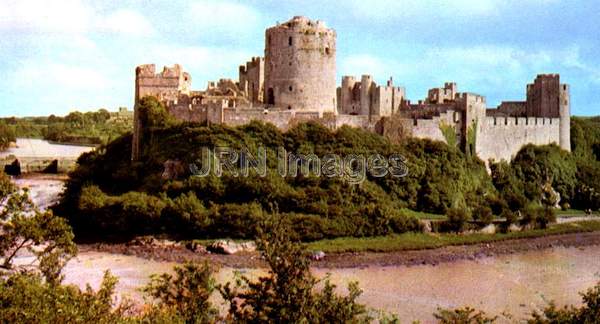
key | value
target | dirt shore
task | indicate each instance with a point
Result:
(178, 253)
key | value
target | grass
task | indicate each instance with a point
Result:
(570, 212)
(421, 241)
(422, 215)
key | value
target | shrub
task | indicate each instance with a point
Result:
(187, 213)
(27, 298)
(509, 216)
(483, 215)
(184, 295)
(545, 217)
(465, 315)
(288, 293)
(401, 223)
(457, 219)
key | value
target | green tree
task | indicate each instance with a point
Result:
(25, 228)
(184, 295)
(288, 293)
(466, 315)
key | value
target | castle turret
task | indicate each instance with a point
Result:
(346, 95)
(366, 81)
(252, 79)
(547, 97)
(565, 117)
(300, 66)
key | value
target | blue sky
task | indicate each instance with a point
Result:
(58, 56)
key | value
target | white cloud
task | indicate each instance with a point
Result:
(224, 17)
(68, 79)
(68, 17)
(497, 70)
(45, 16)
(357, 65)
(125, 21)
(428, 9)
(203, 63)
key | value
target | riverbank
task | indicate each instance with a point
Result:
(405, 257)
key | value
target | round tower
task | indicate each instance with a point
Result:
(300, 66)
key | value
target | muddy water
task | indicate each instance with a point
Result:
(515, 283)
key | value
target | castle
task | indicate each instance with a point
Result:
(296, 82)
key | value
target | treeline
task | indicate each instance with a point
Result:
(108, 195)
(97, 127)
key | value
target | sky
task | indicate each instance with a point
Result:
(57, 56)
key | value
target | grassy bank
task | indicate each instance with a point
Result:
(420, 241)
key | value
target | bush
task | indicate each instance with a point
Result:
(545, 217)
(184, 295)
(401, 223)
(187, 213)
(465, 315)
(483, 215)
(27, 298)
(288, 293)
(509, 216)
(538, 217)
(457, 219)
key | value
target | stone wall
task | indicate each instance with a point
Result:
(442, 95)
(166, 86)
(252, 79)
(501, 138)
(367, 98)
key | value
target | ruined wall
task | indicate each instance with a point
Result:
(387, 99)
(166, 86)
(300, 66)
(252, 79)
(442, 95)
(349, 96)
(502, 137)
(187, 111)
(367, 98)
(543, 96)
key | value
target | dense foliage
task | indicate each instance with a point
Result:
(537, 171)
(110, 194)
(288, 293)
(97, 127)
(36, 294)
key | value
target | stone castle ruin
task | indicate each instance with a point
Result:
(296, 82)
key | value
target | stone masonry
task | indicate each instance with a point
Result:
(296, 82)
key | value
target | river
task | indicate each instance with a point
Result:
(33, 147)
(516, 283)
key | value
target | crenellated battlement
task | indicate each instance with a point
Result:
(492, 121)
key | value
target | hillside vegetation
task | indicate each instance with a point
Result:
(109, 196)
